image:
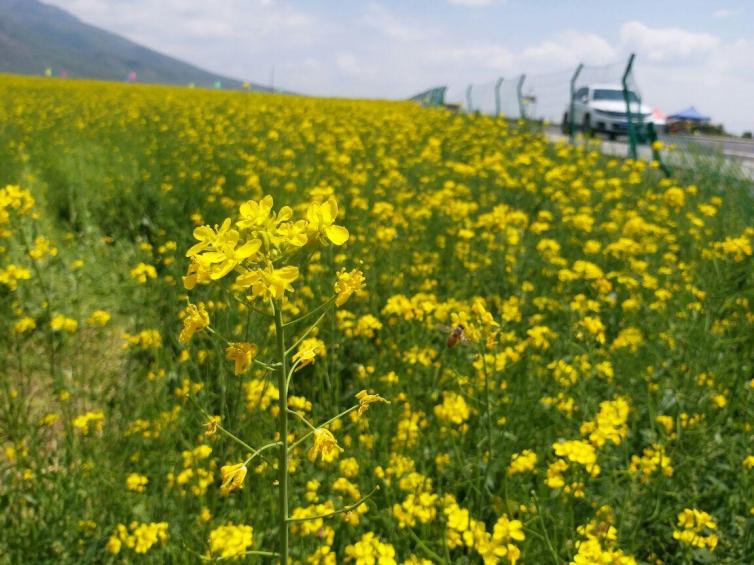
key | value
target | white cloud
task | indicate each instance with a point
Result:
(724, 13)
(398, 28)
(487, 56)
(354, 67)
(701, 69)
(209, 34)
(666, 44)
(567, 48)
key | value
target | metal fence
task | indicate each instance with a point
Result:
(559, 98)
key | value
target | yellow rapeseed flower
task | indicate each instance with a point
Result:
(269, 282)
(196, 318)
(226, 542)
(242, 354)
(321, 218)
(325, 446)
(365, 399)
(233, 477)
(98, 318)
(346, 284)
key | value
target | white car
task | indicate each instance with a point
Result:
(602, 108)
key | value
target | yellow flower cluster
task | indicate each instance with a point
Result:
(578, 451)
(23, 325)
(453, 411)
(259, 242)
(522, 462)
(89, 422)
(416, 508)
(230, 541)
(10, 275)
(369, 550)
(98, 318)
(598, 542)
(144, 340)
(60, 323)
(15, 199)
(261, 395)
(695, 528)
(629, 338)
(652, 459)
(194, 478)
(143, 273)
(609, 424)
(735, 248)
(315, 527)
(346, 284)
(465, 531)
(140, 537)
(136, 482)
(42, 248)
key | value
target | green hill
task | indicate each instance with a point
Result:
(35, 36)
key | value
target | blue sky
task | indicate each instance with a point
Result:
(688, 52)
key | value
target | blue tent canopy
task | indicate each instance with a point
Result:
(689, 114)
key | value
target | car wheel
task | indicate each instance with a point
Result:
(565, 125)
(587, 127)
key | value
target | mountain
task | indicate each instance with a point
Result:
(36, 36)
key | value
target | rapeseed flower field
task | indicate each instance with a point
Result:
(279, 329)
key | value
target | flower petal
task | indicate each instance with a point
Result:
(337, 234)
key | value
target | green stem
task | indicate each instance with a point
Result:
(283, 432)
(310, 313)
(426, 549)
(488, 412)
(260, 450)
(343, 510)
(235, 438)
(300, 417)
(330, 421)
(260, 553)
(306, 333)
(46, 294)
(290, 373)
(548, 543)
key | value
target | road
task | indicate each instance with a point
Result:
(739, 151)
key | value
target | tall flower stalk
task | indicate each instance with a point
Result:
(262, 249)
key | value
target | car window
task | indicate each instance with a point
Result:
(581, 92)
(605, 94)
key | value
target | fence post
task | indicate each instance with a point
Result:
(470, 109)
(519, 95)
(498, 84)
(629, 118)
(571, 121)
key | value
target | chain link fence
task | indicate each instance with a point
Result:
(579, 102)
